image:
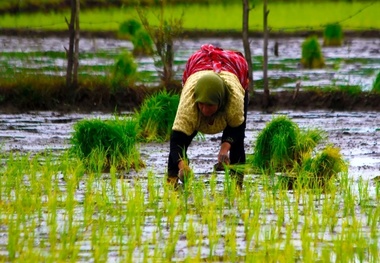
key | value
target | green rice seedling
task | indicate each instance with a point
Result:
(275, 145)
(156, 116)
(229, 188)
(326, 165)
(142, 43)
(141, 40)
(376, 84)
(307, 140)
(333, 35)
(283, 147)
(108, 142)
(312, 56)
(230, 252)
(125, 70)
(198, 193)
(129, 27)
(364, 198)
(191, 234)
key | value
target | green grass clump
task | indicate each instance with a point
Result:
(333, 35)
(156, 116)
(312, 56)
(376, 84)
(142, 43)
(133, 30)
(105, 143)
(275, 145)
(125, 69)
(324, 166)
(129, 27)
(283, 147)
(282, 144)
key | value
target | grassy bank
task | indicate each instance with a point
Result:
(283, 16)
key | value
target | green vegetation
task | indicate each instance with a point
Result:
(125, 70)
(156, 116)
(284, 16)
(142, 42)
(326, 165)
(312, 56)
(376, 84)
(281, 144)
(52, 210)
(333, 35)
(63, 208)
(105, 144)
(129, 28)
(282, 147)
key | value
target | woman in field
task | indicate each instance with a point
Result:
(214, 99)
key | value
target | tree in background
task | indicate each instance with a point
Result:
(265, 56)
(73, 51)
(247, 50)
(163, 36)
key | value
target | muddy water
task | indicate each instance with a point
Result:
(356, 133)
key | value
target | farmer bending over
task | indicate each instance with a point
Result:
(214, 99)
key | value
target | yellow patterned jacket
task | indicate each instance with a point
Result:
(189, 118)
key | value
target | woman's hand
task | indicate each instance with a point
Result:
(223, 158)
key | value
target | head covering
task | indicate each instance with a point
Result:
(210, 89)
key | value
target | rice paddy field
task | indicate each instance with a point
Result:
(352, 66)
(52, 210)
(285, 16)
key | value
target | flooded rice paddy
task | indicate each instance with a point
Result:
(357, 134)
(167, 237)
(356, 63)
(47, 214)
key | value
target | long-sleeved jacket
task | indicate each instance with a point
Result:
(189, 118)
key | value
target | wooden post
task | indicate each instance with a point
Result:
(265, 57)
(247, 49)
(76, 45)
(73, 51)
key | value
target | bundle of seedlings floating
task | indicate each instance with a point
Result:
(156, 116)
(333, 35)
(312, 56)
(102, 144)
(282, 148)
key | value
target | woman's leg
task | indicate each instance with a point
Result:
(237, 151)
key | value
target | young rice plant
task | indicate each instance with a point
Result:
(105, 143)
(156, 116)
